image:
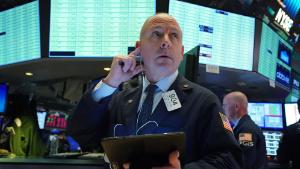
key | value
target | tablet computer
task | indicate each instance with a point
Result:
(149, 149)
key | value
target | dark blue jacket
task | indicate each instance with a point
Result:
(209, 144)
(252, 143)
(289, 147)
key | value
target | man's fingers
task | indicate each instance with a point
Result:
(133, 55)
(138, 69)
(173, 159)
(127, 64)
(136, 52)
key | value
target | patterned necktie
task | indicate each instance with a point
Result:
(146, 110)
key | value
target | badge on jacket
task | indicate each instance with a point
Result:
(171, 100)
(246, 139)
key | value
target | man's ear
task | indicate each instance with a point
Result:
(236, 106)
(182, 52)
(137, 44)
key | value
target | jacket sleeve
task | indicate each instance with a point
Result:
(89, 123)
(216, 146)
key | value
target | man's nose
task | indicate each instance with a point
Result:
(165, 42)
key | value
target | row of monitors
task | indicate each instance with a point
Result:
(46, 120)
(273, 115)
(106, 28)
(265, 115)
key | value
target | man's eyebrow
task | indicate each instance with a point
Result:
(156, 27)
(174, 29)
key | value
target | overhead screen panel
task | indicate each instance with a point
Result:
(275, 53)
(20, 34)
(226, 39)
(96, 28)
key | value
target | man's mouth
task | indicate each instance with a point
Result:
(163, 56)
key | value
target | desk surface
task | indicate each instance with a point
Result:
(50, 163)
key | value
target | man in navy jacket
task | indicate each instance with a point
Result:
(247, 133)
(106, 111)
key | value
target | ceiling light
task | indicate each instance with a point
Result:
(107, 68)
(29, 74)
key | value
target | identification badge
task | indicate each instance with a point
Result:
(171, 100)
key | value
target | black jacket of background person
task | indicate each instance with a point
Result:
(209, 145)
(289, 146)
(254, 148)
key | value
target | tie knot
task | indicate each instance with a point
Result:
(151, 88)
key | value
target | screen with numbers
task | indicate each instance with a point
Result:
(96, 28)
(223, 40)
(274, 52)
(266, 115)
(20, 34)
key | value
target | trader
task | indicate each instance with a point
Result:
(172, 103)
(247, 133)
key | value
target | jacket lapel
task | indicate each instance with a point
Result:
(131, 102)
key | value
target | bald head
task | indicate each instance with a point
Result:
(235, 105)
(158, 18)
(238, 98)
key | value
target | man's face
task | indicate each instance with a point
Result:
(229, 108)
(161, 47)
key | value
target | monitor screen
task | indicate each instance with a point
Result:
(284, 53)
(41, 115)
(20, 34)
(266, 115)
(272, 141)
(56, 120)
(223, 40)
(102, 28)
(273, 51)
(3, 97)
(291, 113)
(283, 75)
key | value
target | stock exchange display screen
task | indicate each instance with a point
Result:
(274, 54)
(266, 115)
(272, 141)
(223, 40)
(20, 34)
(102, 28)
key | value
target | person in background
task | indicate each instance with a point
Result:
(24, 138)
(289, 146)
(247, 133)
(176, 104)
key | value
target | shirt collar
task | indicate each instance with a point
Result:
(164, 83)
(236, 122)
